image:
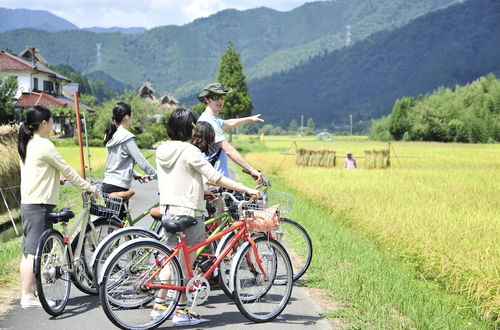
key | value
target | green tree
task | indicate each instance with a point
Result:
(399, 123)
(311, 127)
(293, 126)
(8, 88)
(238, 103)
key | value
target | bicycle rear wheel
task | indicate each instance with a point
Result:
(82, 278)
(126, 300)
(52, 279)
(256, 293)
(297, 243)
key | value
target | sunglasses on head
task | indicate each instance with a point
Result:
(216, 97)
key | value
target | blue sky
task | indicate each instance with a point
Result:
(145, 13)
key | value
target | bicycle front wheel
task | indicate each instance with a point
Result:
(125, 297)
(82, 278)
(112, 242)
(256, 292)
(52, 278)
(297, 243)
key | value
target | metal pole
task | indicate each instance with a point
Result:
(87, 146)
(10, 214)
(350, 116)
(79, 132)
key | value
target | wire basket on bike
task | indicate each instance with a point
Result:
(283, 199)
(259, 217)
(106, 206)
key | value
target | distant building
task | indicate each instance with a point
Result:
(39, 85)
(148, 93)
(169, 100)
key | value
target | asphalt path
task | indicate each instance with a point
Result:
(84, 311)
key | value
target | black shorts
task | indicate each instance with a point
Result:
(35, 222)
(108, 189)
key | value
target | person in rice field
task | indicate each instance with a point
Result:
(350, 161)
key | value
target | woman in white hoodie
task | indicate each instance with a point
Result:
(181, 167)
(122, 152)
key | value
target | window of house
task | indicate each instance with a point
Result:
(58, 88)
(35, 84)
(48, 86)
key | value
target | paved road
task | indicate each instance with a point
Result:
(84, 312)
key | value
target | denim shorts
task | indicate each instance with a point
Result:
(35, 222)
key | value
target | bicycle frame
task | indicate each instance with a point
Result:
(241, 231)
(131, 222)
(80, 224)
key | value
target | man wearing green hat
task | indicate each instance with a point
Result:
(213, 97)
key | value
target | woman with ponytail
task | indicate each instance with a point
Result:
(41, 170)
(122, 152)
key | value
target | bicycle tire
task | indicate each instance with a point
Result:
(52, 279)
(259, 298)
(124, 284)
(113, 241)
(224, 267)
(82, 276)
(298, 244)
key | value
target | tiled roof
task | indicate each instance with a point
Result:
(40, 98)
(12, 62)
(43, 99)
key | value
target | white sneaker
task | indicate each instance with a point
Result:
(30, 301)
(183, 317)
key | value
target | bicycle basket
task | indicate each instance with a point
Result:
(283, 199)
(106, 206)
(261, 218)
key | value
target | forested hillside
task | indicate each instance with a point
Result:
(181, 59)
(444, 48)
(36, 19)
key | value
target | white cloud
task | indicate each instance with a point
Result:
(145, 13)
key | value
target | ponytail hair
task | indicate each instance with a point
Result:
(34, 116)
(120, 110)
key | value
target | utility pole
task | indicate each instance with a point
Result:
(302, 123)
(350, 117)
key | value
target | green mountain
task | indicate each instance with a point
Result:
(447, 47)
(11, 19)
(181, 59)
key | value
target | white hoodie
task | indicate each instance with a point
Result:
(181, 168)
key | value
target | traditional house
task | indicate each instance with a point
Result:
(147, 92)
(169, 100)
(39, 85)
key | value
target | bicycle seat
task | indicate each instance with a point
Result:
(155, 213)
(125, 195)
(182, 222)
(63, 215)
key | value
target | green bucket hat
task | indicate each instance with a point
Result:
(213, 88)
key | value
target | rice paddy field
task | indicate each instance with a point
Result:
(440, 215)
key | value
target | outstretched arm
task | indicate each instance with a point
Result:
(232, 153)
(237, 122)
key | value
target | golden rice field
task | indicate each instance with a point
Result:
(71, 155)
(441, 214)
